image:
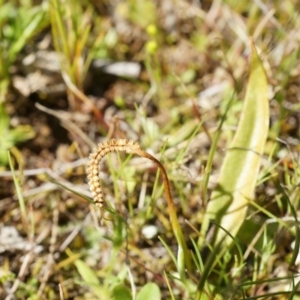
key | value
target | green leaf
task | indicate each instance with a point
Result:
(90, 278)
(4, 120)
(18, 25)
(5, 12)
(21, 133)
(121, 292)
(86, 272)
(150, 291)
(239, 171)
(3, 157)
(32, 24)
(10, 137)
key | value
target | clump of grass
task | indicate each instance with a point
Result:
(19, 23)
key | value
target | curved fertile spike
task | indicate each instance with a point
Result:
(95, 158)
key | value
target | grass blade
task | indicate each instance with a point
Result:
(18, 190)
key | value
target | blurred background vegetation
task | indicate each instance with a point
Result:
(167, 74)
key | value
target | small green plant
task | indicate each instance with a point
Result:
(9, 137)
(19, 22)
(134, 148)
(71, 37)
(239, 174)
(113, 288)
